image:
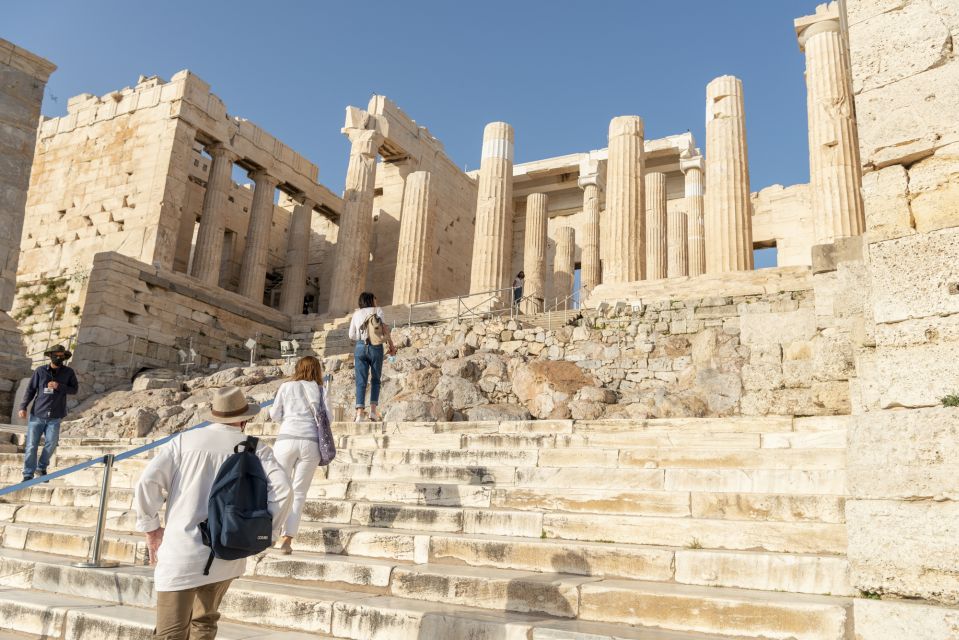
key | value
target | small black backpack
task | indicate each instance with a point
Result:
(238, 523)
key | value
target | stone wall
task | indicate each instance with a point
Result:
(903, 510)
(136, 316)
(23, 77)
(782, 217)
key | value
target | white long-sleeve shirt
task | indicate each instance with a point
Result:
(358, 322)
(296, 408)
(184, 469)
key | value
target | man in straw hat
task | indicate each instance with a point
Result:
(48, 390)
(183, 470)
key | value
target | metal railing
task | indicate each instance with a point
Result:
(469, 309)
(108, 460)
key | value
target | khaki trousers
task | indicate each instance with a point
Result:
(190, 614)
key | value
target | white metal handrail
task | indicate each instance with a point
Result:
(462, 308)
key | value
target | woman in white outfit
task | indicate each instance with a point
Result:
(304, 441)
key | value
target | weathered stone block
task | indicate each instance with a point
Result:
(884, 620)
(777, 328)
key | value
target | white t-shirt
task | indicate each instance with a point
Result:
(358, 322)
(518, 282)
(296, 408)
(184, 469)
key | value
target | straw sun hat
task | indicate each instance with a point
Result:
(229, 406)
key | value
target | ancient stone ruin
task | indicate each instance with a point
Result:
(657, 441)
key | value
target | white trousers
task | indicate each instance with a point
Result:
(299, 457)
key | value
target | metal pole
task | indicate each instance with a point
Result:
(95, 562)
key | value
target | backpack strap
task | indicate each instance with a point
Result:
(249, 445)
(209, 563)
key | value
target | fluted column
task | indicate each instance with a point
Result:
(297, 258)
(656, 257)
(414, 257)
(693, 170)
(208, 252)
(356, 222)
(257, 249)
(728, 223)
(493, 235)
(534, 252)
(835, 174)
(677, 245)
(591, 273)
(625, 201)
(564, 263)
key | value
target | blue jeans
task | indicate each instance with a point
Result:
(517, 294)
(368, 362)
(49, 428)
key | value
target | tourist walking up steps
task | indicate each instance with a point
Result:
(48, 390)
(305, 440)
(370, 332)
(182, 474)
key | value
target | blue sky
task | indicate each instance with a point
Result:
(557, 71)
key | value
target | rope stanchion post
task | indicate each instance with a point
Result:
(96, 551)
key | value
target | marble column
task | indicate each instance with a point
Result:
(591, 274)
(693, 170)
(356, 223)
(677, 245)
(534, 252)
(835, 172)
(728, 223)
(297, 258)
(414, 257)
(257, 249)
(656, 257)
(493, 235)
(563, 265)
(625, 201)
(208, 252)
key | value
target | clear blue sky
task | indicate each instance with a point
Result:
(557, 71)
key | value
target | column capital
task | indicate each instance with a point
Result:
(366, 142)
(303, 201)
(262, 177)
(592, 172)
(218, 150)
(825, 20)
(695, 162)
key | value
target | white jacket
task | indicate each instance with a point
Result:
(296, 408)
(183, 470)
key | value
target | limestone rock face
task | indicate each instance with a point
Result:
(546, 387)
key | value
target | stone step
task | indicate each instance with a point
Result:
(733, 612)
(74, 542)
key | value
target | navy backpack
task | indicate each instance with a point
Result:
(238, 524)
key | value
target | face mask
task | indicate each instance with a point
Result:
(57, 360)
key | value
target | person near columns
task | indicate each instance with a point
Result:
(48, 390)
(305, 440)
(518, 287)
(370, 331)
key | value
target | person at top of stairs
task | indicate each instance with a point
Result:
(48, 390)
(305, 440)
(370, 331)
(518, 283)
(183, 470)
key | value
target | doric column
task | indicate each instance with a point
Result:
(728, 223)
(625, 201)
(656, 226)
(493, 236)
(677, 245)
(297, 257)
(209, 240)
(356, 222)
(257, 249)
(534, 252)
(835, 174)
(564, 263)
(414, 264)
(591, 273)
(693, 170)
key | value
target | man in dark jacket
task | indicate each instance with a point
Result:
(48, 390)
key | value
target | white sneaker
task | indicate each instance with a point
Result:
(360, 417)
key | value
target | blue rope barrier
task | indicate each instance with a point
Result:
(80, 466)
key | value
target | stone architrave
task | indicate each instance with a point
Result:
(257, 249)
(835, 172)
(591, 272)
(656, 221)
(414, 264)
(625, 201)
(677, 245)
(564, 265)
(534, 253)
(356, 223)
(297, 257)
(493, 237)
(693, 169)
(209, 240)
(728, 224)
